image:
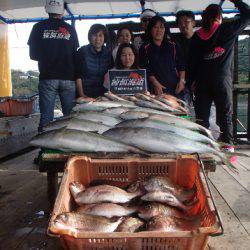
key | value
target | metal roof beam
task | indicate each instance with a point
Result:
(3, 19)
(112, 16)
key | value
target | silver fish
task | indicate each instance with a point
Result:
(100, 194)
(148, 104)
(159, 141)
(78, 124)
(69, 223)
(104, 118)
(130, 225)
(114, 97)
(130, 115)
(108, 210)
(182, 123)
(165, 197)
(96, 106)
(116, 111)
(70, 140)
(158, 124)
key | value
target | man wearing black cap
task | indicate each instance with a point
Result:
(53, 44)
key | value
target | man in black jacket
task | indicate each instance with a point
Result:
(211, 54)
(53, 43)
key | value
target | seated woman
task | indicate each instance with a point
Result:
(124, 35)
(92, 63)
(126, 59)
(163, 59)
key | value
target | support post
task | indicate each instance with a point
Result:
(5, 75)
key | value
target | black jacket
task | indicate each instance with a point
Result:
(53, 43)
(211, 58)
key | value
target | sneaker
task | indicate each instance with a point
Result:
(230, 149)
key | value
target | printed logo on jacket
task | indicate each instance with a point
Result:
(62, 33)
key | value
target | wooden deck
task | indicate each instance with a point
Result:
(23, 201)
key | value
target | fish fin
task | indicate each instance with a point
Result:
(75, 188)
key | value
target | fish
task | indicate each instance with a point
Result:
(95, 106)
(160, 183)
(171, 224)
(158, 124)
(173, 104)
(78, 124)
(71, 140)
(182, 123)
(152, 111)
(114, 97)
(70, 222)
(104, 118)
(116, 111)
(99, 194)
(157, 102)
(173, 98)
(159, 141)
(148, 104)
(130, 225)
(153, 209)
(107, 210)
(165, 197)
(130, 115)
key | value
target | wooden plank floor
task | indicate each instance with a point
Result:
(23, 196)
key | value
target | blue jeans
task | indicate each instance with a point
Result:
(48, 90)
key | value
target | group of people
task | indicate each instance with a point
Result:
(188, 64)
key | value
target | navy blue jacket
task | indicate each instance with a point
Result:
(91, 66)
(164, 63)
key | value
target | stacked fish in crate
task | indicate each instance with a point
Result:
(134, 203)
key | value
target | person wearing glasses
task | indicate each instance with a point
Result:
(185, 20)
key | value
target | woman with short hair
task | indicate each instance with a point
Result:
(92, 63)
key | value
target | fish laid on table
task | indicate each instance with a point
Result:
(159, 141)
(130, 225)
(131, 115)
(116, 111)
(182, 123)
(165, 197)
(104, 118)
(100, 106)
(152, 209)
(157, 102)
(108, 210)
(114, 97)
(148, 104)
(158, 124)
(78, 124)
(169, 224)
(70, 222)
(100, 194)
(70, 140)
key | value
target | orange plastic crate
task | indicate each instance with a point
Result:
(20, 107)
(185, 171)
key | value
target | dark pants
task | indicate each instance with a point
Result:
(219, 91)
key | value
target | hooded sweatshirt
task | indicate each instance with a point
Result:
(211, 52)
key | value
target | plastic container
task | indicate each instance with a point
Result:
(185, 171)
(4, 106)
(19, 107)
